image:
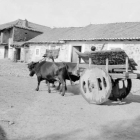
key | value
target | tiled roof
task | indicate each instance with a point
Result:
(41, 28)
(54, 35)
(20, 24)
(8, 25)
(27, 28)
(127, 30)
(111, 31)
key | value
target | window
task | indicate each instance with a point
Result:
(53, 47)
(37, 52)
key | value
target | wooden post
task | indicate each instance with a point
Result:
(126, 62)
(106, 64)
(89, 62)
(78, 60)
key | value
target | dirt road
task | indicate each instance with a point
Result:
(26, 114)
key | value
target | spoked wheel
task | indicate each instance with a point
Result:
(95, 85)
(121, 88)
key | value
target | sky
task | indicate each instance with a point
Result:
(70, 13)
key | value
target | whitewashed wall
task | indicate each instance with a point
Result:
(22, 52)
(64, 54)
(31, 53)
(2, 52)
(132, 49)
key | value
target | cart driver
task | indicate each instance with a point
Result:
(93, 48)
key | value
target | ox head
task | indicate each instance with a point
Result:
(72, 77)
(31, 67)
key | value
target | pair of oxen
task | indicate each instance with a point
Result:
(51, 72)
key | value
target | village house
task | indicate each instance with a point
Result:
(104, 36)
(16, 33)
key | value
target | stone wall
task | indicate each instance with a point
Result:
(132, 48)
(133, 51)
(24, 34)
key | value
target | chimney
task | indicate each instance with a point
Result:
(25, 23)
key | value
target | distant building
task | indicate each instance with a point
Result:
(31, 40)
(14, 34)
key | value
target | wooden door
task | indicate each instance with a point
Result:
(18, 53)
(6, 52)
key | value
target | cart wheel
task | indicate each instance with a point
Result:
(120, 90)
(95, 85)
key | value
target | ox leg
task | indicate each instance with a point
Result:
(63, 87)
(58, 88)
(39, 80)
(49, 90)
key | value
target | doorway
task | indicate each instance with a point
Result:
(18, 53)
(74, 54)
(6, 52)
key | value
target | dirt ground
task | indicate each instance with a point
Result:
(26, 114)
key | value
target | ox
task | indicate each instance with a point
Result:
(71, 73)
(49, 71)
(69, 76)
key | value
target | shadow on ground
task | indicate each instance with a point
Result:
(3, 135)
(131, 98)
(68, 136)
(123, 130)
(71, 89)
(74, 89)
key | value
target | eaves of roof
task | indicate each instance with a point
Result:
(31, 29)
(3, 43)
(101, 39)
(45, 42)
(17, 44)
(8, 25)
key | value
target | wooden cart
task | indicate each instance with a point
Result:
(106, 75)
